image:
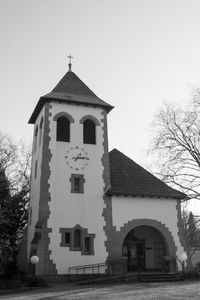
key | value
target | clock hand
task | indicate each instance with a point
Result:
(76, 157)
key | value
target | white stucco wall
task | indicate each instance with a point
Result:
(163, 210)
(69, 209)
(35, 182)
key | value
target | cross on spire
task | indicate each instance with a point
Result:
(70, 62)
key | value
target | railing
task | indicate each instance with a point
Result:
(87, 271)
(116, 269)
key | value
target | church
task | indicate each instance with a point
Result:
(89, 205)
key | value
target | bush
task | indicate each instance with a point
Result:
(9, 268)
(194, 273)
(7, 284)
(34, 281)
(197, 269)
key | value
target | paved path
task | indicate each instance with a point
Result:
(138, 291)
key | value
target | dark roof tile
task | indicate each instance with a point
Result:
(70, 89)
(128, 178)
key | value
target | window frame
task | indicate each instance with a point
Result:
(36, 168)
(95, 122)
(63, 129)
(35, 138)
(67, 241)
(83, 235)
(41, 129)
(89, 132)
(73, 184)
(70, 120)
(77, 237)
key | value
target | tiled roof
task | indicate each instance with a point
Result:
(70, 89)
(128, 178)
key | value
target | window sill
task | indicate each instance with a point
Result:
(76, 249)
(88, 253)
(64, 245)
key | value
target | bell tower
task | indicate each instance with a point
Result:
(70, 174)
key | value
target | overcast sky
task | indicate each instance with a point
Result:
(134, 54)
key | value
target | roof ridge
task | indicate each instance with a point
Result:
(76, 77)
(59, 83)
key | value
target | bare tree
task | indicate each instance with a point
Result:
(176, 147)
(191, 228)
(15, 159)
(14, 200)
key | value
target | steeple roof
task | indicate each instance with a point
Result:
(130, 179)
(70, 89)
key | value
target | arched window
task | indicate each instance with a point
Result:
(63, 129)
(41, 125)
(89, 132)
(77, 238)
(35, 139)
(63, 121)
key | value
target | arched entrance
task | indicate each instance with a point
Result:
(144, 247)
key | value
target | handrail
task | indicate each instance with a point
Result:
(108, 270)
(81, 271)
(87, 266)
(95, 271)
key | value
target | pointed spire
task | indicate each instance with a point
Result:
(70, 62)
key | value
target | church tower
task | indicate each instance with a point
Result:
(70, 175)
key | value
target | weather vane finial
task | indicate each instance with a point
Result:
(70, 62)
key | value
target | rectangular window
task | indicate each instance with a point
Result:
(67, 238)
(87, 245)
(77, 185)
(77, 239)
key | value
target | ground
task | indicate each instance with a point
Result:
(130, 291)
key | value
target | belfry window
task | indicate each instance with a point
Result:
(89, 132)
(63, 129)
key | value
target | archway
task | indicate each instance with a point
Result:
(144, 248)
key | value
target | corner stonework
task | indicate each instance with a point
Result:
(41, 245)
(107, 211)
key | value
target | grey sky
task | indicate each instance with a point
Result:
(132, 54)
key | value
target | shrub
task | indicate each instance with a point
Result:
(34, 281)
(197, 269)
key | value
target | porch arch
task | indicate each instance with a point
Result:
(115, 243)
(161, 227)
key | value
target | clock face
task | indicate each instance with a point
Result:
(76, 158)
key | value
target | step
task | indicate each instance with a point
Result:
(106, 278)
(160, 277)
(133, 277)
